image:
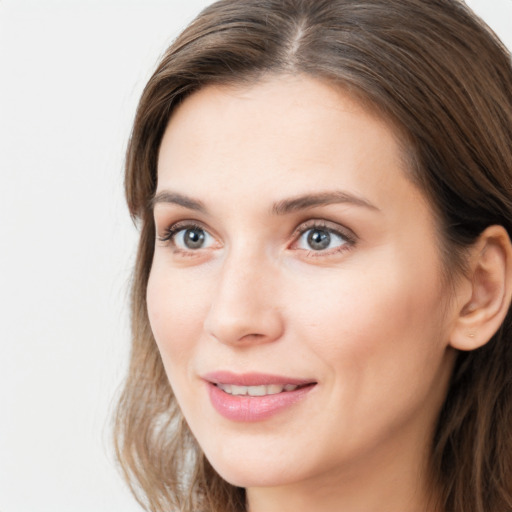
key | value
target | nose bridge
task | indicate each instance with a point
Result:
(244, 306)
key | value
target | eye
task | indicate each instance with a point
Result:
(322, 238)
(319, 239)
(188, 237)
(191, 238)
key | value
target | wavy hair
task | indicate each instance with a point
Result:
(435, 70)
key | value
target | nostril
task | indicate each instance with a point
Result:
(242, 314)
(251, 336)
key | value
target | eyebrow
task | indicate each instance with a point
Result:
(283, 207)
(168, 197)
(306, 201)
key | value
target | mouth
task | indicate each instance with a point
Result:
(255, 397)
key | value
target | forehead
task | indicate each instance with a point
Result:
(285, 134)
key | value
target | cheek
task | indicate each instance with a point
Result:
(176, 312)
(384, 316)
(378, 338)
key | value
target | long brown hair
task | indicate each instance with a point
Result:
(437, 72)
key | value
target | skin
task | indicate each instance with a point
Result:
(368, 319)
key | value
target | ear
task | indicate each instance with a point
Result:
(485, 294)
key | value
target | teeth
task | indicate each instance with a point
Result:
(271, 389)
(238, 390)
(225, 387)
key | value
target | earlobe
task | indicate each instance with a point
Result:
(484, 309)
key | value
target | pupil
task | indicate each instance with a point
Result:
(318, 239)
(194, 238)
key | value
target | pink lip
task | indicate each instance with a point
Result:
(243, 408)
(252, 379)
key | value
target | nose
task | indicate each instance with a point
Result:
(245, 309)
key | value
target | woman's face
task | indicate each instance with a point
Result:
(296, 294)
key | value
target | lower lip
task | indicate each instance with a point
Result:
(246, 408)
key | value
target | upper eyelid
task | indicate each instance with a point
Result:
(181, 224)
(331, 226)
(169, 231)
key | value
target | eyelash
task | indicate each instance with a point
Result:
(173, 230)
(321, 225)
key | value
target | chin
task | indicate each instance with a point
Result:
(247, 473)
(248, 479)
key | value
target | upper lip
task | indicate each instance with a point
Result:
(252, 379)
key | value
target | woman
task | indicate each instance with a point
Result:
(321, 302)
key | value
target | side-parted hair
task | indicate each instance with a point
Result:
(437, 73)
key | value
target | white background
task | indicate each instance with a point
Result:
(71, 72)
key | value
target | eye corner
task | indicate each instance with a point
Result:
(187, 237)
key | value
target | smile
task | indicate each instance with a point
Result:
(254, 397)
